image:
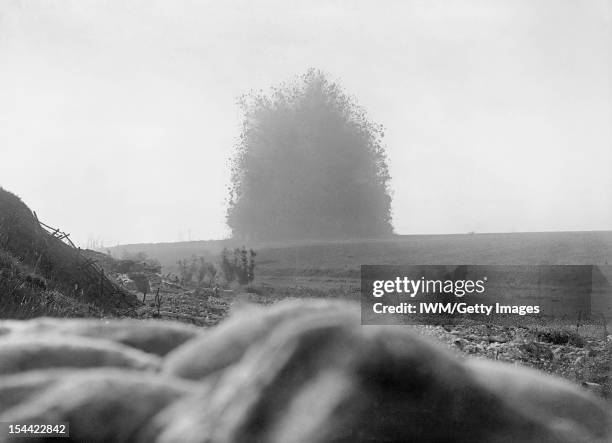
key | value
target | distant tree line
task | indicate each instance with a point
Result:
(237, 265)
(197, 270)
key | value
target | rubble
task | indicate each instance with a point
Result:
(586, 361)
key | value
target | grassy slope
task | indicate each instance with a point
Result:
(41, 275)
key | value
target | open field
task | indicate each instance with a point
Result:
(301, 268)
(343, 258)
(332, 270)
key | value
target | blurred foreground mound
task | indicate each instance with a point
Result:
(42, 273)
(299, 371)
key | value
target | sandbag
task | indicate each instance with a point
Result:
(109, 405)
(323, 378)
(24, 353)
(152, 336)
(224, 345)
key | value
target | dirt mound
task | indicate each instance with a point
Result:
(39, 265)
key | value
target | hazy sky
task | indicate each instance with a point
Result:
(117, 118)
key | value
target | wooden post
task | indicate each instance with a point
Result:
(101, 283)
